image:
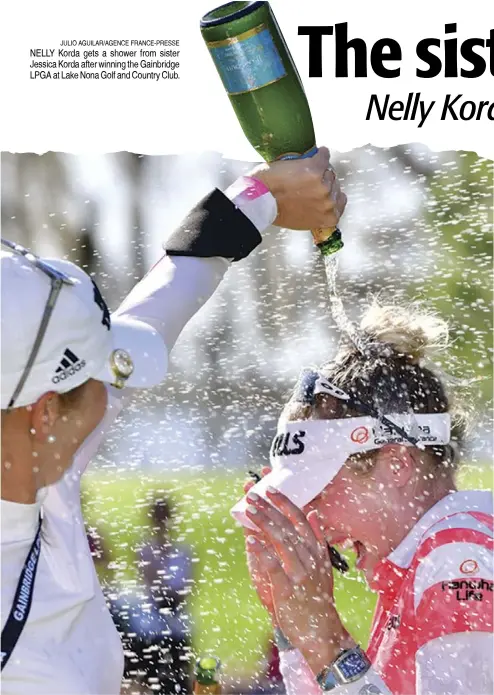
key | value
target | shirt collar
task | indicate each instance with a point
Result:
(390, 572)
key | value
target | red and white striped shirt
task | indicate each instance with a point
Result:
(433, 624)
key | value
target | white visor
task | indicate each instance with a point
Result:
(307, 454)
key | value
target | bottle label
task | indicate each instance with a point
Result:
(248, 61)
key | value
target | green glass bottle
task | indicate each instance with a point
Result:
(207, 676)
(263, 85)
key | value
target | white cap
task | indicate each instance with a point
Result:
(80, 338)
(307, 454)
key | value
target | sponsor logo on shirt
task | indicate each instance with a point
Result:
(469, 567)
(288, 444)
(468, 589)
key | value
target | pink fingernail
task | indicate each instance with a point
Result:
(253, 496)
(251, 509)
(271, 489)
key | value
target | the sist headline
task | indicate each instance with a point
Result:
(107, 59)
(448, 56)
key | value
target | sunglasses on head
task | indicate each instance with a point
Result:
(311, 383)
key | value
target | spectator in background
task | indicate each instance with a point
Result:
(152, 621)
(167, 571)
(100, 554)
(273, 674)
(113, 591)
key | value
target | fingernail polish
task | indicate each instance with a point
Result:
(251, 509)
(253, 496)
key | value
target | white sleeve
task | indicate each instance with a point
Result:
(171, 293)
(456, 664)
(296, 674)
(177, 286)
(299, 679)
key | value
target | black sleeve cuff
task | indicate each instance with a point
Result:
(214, 227)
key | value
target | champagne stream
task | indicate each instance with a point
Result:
(343, 323)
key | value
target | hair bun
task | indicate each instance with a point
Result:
(409, 330)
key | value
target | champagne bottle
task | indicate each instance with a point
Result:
(207, 676)
(264, 87)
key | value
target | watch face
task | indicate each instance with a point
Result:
(353, 665)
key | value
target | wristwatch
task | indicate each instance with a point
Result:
(348, 667)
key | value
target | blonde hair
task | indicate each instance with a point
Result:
(392, 371)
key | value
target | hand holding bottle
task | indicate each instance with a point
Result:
(307, 193)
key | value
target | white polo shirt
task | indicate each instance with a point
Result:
(69, 645)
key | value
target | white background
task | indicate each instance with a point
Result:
(193, 113)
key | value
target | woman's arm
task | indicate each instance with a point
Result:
(177, 286)
(295, 559)
(220, 229)
(224, 228)
(185, 277)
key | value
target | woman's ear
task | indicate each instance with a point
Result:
(396, 464)
(44, 415)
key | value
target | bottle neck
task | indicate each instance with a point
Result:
(331, 244)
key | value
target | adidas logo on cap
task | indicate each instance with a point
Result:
(69, 365)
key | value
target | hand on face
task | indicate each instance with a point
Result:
(257, 569)
(364, 512)
(294, 558)
(307, 192)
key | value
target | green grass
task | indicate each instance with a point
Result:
(229, 621)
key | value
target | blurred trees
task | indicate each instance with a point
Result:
(461, 210)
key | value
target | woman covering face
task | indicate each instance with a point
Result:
(365, 457)
(68, 369)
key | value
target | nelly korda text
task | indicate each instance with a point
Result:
(104, 61)
(413, 108)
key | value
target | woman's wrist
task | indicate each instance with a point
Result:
(323, 652)
(252, 196)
